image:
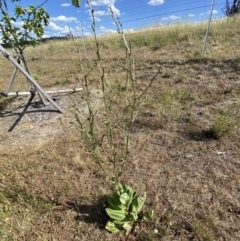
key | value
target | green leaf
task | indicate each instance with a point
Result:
(119, 188)
(133, 216)
(124, 198)
(32, 18)
(131, 194)
(127, 226)
(76, 3)
(148, 216)
(112, 227)
(138, 203)
(114, 202)
(116, 215)
(19, 10)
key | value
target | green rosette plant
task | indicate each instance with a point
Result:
(124, 208)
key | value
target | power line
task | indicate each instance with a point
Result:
(125, 17)
(162, 14)
(170, 8)
(176, 5)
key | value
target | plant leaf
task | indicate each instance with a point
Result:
(114, 202)
(124, 198)
(138, 202)
(112, 227)
(148, 216)
(133, 216)
(116, 215)
(127, 226)
(131, 194)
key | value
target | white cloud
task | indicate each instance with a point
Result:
(97, 19)
(100, 13)
(130, 30)
(155, 2)
(17, 24)
(53, 27)
(97, 15)
(102, 2)
(208, 12)
(191, 15)
(214, 12)
(172, 17)
(115, 11)
(57, 30)
(62, 18)
(46, 35)
(104, 30)
(66, 30)
(65, 4)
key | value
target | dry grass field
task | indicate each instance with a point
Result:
(184, 150)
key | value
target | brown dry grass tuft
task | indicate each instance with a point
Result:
(51, 190)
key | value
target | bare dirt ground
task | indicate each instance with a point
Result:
(51, 190)
(24, 123)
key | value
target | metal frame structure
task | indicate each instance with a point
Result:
(36, 87)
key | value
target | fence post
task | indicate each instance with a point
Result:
(83, 39)
(206, 35)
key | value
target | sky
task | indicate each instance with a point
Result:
(133, 14)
